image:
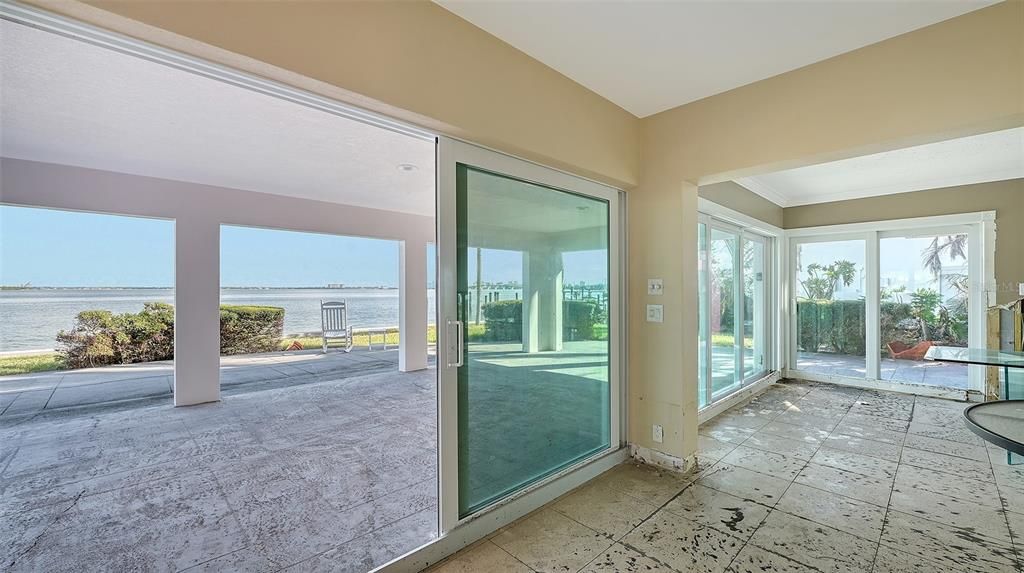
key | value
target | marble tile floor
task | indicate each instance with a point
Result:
(331, 475)
(805, 477)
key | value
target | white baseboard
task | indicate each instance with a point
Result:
(738, 397)
(661, 459)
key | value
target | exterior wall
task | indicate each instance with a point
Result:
(739, 198)
(410, 60)
(955, 78)
(1006, 198)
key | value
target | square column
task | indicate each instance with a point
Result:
(196, 311)
(542, 300)
(412, 306)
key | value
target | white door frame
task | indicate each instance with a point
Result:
(713, 215)
(450, 153)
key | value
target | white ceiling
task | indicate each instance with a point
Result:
(651, 56)
(65, 101)
(994, 156)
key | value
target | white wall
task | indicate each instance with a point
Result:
(199, 211)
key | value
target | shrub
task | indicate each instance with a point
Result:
(579, 318)
(249, 329)
(100, 337)
(831, 326)
(503, 320)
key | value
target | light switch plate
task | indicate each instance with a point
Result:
(655, 313)
(1020, 289)
(655, 287)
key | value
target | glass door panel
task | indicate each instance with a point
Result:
(724, 326)
(533, 382)
(923, 295)
(831, 308)
(754, 307)
(702, 311)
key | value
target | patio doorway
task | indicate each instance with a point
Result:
(529, 341)
(871, 299)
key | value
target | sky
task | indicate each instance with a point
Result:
(46, 247)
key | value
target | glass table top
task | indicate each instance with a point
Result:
(976, 356)
(1001, 423)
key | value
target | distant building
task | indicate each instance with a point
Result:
(335, 285)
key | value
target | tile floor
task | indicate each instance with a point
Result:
(806, 477)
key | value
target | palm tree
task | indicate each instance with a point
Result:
(822, 281)
(955, 245)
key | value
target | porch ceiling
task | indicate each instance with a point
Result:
(72, 103)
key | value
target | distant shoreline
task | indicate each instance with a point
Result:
(21, 288)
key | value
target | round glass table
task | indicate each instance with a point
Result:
(1000, 422)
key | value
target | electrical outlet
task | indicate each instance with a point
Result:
(655, 287)
(657, 434)
(655, 313)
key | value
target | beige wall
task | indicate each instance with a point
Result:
(418, 62)
(962, 76)
(1006, 198)
(412, 60)
(738, 198)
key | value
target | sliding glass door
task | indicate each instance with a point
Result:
(733, 308)
(529, 302)
(868, 305)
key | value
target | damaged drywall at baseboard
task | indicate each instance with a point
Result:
(661, 459)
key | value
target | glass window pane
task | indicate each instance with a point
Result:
(831, 308)
(924, 286)
(702, 316)
(724, 322)
(753, 308)
(534, 391)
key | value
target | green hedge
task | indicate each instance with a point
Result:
(100, 337)
(249, 329)
(838, 326)
(503, 321)
(581, 320)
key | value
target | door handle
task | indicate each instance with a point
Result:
(459, 344)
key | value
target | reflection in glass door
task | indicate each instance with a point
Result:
(754, 307)
(726, 348)
(529, 376)
(733, 303)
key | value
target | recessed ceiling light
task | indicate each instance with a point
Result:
(407, 167)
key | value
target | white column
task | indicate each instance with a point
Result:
(196, 311)
(542, 300)
(412, 306)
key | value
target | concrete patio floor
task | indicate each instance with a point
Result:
(923, 372)
(334, 475)
(327, 474)
(109, 386)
